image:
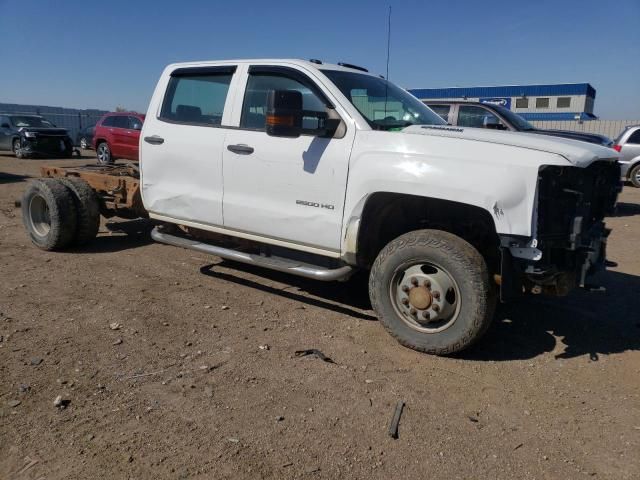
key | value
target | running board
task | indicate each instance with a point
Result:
(274, 263)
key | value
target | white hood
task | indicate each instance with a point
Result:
(581, 154)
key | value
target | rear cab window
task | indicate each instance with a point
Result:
(197, 95)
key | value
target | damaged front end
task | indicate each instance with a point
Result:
(45, 142)
(569, 242)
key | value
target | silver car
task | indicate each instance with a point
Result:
(628, 144)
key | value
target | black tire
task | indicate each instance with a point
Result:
(471, 304)
(49, 214)
(17, 148)
(87, 208)
(634, 176)
(103, 154)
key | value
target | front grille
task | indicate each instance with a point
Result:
(50, 143)
(573, 201)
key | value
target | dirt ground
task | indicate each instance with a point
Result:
(172, 364)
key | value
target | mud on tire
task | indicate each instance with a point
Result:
(467, 271)
(49, 214)
(87, 208)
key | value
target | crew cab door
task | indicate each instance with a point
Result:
(289, 189)
(182, 144)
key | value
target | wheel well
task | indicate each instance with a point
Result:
(388, 215)
(101, 140)
(633, 165)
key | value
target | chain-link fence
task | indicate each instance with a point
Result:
(72, 119)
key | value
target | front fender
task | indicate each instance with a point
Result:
(500, 179)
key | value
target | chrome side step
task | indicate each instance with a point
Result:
(274, 263)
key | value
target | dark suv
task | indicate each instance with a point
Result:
(487, 115)
(117, 135)
(32, 135)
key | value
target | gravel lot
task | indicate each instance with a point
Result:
(172, 364)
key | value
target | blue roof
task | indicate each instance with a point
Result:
(507, 91)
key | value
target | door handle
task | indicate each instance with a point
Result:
(154, 140)
(240, 149)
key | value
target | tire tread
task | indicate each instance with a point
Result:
(458, 250)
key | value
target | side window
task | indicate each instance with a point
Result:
(135, 123)
(121, 121)
(196, 98)
(254, 107)
(442, 110)
(634, 138)
(472, 116)
(109, 122)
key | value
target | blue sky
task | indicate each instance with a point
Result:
(105, 54)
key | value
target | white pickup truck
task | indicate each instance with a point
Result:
(320, 170)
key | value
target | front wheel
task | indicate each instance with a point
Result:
(431, 291)
(83, 143)
(104, 154)
(16, 146)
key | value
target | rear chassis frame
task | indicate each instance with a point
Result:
(117, 186)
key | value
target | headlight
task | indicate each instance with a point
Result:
(30, 134)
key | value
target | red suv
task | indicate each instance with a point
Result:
(117, 136)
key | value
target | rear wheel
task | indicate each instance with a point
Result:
(87, 208)
(431, 291)
(103, 152)
(83, 143)
(634, 176)
(49, 214)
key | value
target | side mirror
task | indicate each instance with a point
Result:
(5, 125)
(137, 126)
(284, 113)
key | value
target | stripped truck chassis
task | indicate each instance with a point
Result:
(117, 187)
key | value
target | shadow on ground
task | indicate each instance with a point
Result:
(585, 323)
(349, 298)
(11, 178)
(627, 209)
(122, 235)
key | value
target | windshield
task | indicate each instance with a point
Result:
(384, 105)
(19, 121)
(520, 123)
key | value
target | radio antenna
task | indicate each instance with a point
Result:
(388, 40)
(386, 88)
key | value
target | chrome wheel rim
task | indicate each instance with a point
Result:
(425, 296)
(39, 216)
(103, 153)
(637, 176)
(83, 144)
(16, 148)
